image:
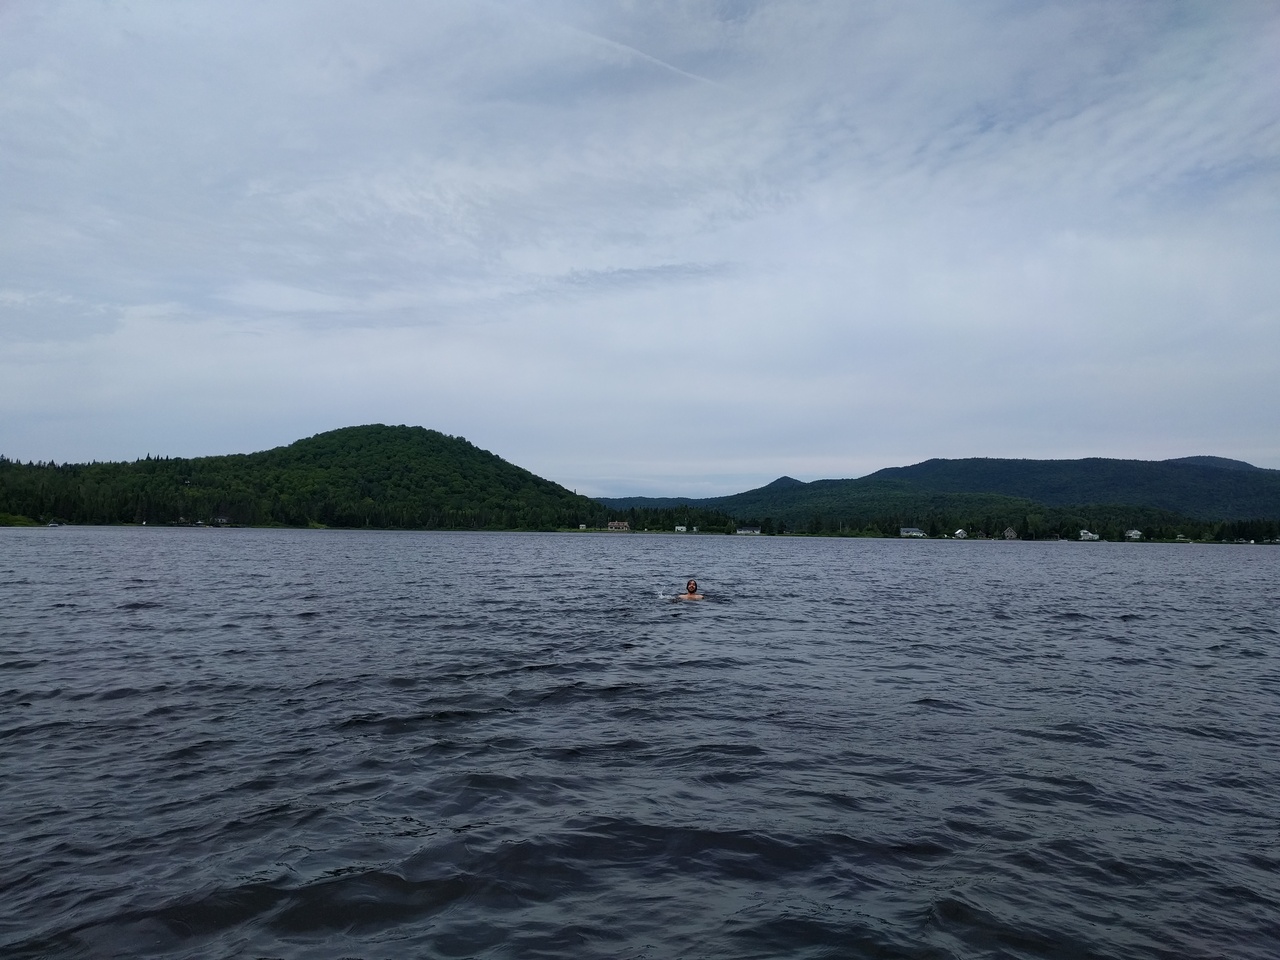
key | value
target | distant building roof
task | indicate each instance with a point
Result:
(911, 532)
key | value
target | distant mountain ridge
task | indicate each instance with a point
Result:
(1221, 462)
(1202, 488)
(1205, 488)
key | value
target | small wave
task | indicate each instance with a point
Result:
(33, 729)
(1070, 732)
(970, 923)
(1224, 734)
(1251, 630)
(1127, 661)
(196, 751)
(825, 933)
(935, 703)
(629, 752)
(410, 723)
(119, 693)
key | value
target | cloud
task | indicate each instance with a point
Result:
(830, 236)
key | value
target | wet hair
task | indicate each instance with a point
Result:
(695, 585)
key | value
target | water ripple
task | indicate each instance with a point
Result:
(325, 745)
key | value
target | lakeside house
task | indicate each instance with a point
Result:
(682, 529)
(620, 526)
(911, 532)
(1010, 533)
(1086, 535)
(961, 535)
(751, 531)
(1133, 534)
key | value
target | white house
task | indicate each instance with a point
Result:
(1133, 534)
(750, 530)
(960, 535)
(911, 532)
(682, 529)
(1086, 535)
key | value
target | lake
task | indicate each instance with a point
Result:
(327, 744)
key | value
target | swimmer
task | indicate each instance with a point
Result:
(690, 592)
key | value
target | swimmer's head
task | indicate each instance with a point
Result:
(691, 586)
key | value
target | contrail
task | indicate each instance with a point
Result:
(647, 57)
(616, 45)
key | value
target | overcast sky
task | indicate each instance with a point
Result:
(643, 246)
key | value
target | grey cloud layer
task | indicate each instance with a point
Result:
(829, 236)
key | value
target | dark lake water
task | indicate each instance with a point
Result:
(248, 743)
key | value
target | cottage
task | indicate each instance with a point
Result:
(754, 531)
(682, 529)
(621, 526)
(1086, 535)
(1010, 533)
(1133, 534)
(911, 532)
(960, 535)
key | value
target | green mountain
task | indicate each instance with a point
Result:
(1196, 495)
(369, 476)
(1204, 488)
(1222, 462)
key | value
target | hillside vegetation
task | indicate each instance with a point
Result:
(369, 476)
(1197, 497)
(413, 478)
(1203, 488)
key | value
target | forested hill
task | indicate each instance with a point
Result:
(1205, 488)
(1202, 496)
(369, 476)
(1201, 488)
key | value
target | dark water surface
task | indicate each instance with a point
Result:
(246, 743)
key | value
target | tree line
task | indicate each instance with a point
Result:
(416, 479)
(374, 476)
